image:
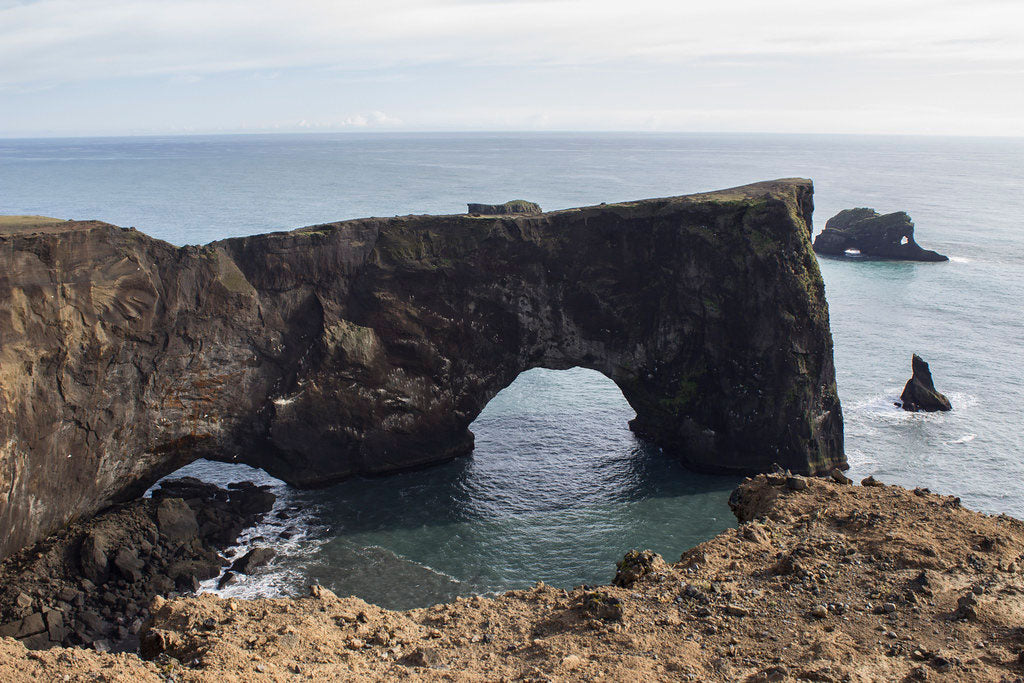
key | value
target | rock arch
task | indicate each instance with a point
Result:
(370, 345)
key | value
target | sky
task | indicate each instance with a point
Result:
(126, 67)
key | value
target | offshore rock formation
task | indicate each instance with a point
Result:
(516, 206)
(370, 345)
(919, 392)
(888, 237)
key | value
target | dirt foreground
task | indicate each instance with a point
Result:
(822, 582)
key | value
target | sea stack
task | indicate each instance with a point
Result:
(920, 393)
(871, 234)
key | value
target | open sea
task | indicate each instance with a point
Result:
(558, 487)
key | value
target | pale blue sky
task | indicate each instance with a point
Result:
(102, 67)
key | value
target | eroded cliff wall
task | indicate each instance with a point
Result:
(371, 345)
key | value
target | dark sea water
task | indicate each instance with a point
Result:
(558, 488)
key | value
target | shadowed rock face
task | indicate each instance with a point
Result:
(370, 345)
(516, 206)
(919, 392)
(888, 237)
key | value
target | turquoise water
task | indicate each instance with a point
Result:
(558, 488)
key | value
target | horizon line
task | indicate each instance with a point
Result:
(378, 131)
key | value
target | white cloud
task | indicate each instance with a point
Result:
(79, 40)
(207, 65)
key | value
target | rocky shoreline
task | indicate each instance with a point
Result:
(92, 584)
(821, 581)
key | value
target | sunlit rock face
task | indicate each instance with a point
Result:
(370, 345)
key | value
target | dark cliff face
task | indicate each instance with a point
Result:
(370, 345)
(889, 236)
(516, 206)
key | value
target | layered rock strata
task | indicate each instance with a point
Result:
(370, 345)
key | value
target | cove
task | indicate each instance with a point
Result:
(557, 489)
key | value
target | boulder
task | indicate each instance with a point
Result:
(129, 564)
(257, 557)
(176, 521)
(873, 235)
(919, 392)
(31, 625)
(93, 556)
(635, 565)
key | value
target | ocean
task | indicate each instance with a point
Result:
(558, 488)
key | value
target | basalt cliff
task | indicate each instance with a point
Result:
(370, 345)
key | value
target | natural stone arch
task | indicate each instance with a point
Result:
(707, 312)
(370, 345)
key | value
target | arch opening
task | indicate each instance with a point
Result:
(557, 489)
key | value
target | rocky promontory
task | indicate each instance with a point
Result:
(821, 581)
(871, 234)
(370, 345)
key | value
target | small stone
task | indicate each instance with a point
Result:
(796, 483)
(885, 608)
(840, 478)
(819, 612)
(755, 533)
(228, 579)
(736, 610)
(871, 482)
(357, 644)
(421, 656)
(318, 592)
(23, 601)
(967, 607)
(571, 661)
(773, 674)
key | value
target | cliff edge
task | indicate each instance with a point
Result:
(370, 345)
(820, 582)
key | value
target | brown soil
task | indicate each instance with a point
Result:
(827, 583)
